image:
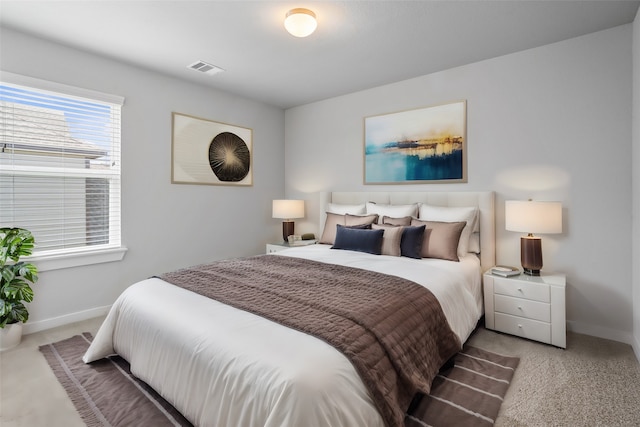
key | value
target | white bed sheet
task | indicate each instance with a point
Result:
(220, 366)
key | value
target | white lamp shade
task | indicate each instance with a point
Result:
(300, 22)
(288, 209)
(533, 217)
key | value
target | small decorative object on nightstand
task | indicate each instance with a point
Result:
(505, 271)
(531, 307)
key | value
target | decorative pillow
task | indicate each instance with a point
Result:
(333, 219)
(346, 209)
(392, 210)
(405, 220)
(440, 239)
(358, 239)
(361, 219)
(329, 232)
(453, 214)
(411, 242)
(390, 239)
(360, 226)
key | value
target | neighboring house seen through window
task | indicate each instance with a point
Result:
(60, 165)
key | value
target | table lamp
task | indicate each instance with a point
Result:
(287, 210)
(532, 217)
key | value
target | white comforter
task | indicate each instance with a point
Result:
(220, 366)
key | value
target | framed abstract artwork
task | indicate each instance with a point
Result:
(421, 146)
(208, 152)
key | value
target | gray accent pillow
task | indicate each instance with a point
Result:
(412, 240)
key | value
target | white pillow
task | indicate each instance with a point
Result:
(395, 211)
(474, 242)
(346, 209)
(453, 214)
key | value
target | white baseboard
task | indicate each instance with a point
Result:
(42, 325)
(600, 332)
(636, 346)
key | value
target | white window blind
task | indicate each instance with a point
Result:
(60, 164)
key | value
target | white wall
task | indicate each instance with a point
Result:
(551, 123)
(636, 185)
(164, 225)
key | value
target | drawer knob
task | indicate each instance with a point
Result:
(519, 307)
(520, 326)
(519, 289)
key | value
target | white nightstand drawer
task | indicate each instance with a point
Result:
(523, 308)
(521, 289)
(526, 328)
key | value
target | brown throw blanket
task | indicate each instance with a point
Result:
(393, 330)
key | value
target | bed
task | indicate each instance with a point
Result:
(225, 366)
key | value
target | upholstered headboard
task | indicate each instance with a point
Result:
(484, 200)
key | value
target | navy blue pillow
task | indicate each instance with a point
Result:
(358, 239)
(411, 242)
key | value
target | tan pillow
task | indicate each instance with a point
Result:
(361, 219)
(390, 239)
(330, 226)
(405, 220)
(440, 239)
(453, 214)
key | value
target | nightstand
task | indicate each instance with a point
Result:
(275, 247)
(531, 307)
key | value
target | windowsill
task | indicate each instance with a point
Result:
(76, 259)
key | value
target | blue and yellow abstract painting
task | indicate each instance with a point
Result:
(417, 146)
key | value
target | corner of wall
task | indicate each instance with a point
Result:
(635, 184)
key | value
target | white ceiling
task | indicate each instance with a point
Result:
(358, 44)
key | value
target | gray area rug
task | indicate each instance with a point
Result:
(106, 394)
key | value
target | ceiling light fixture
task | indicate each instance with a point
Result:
(300, 22)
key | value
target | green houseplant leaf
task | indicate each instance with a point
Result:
(16, 277)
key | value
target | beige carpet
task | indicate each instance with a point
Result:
(593, 382)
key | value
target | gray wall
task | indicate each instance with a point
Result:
(164, 225)
(551, 123)
(636, 184)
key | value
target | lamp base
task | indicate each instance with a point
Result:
(531, 255)
(287, 230)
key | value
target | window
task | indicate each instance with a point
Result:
(60, 165)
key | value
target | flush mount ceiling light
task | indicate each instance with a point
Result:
(300, 22)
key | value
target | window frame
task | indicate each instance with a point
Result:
(85, 255)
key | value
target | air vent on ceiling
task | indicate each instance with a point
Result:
(206, 68)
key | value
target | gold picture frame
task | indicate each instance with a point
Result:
(421, 146)
(210, 153)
